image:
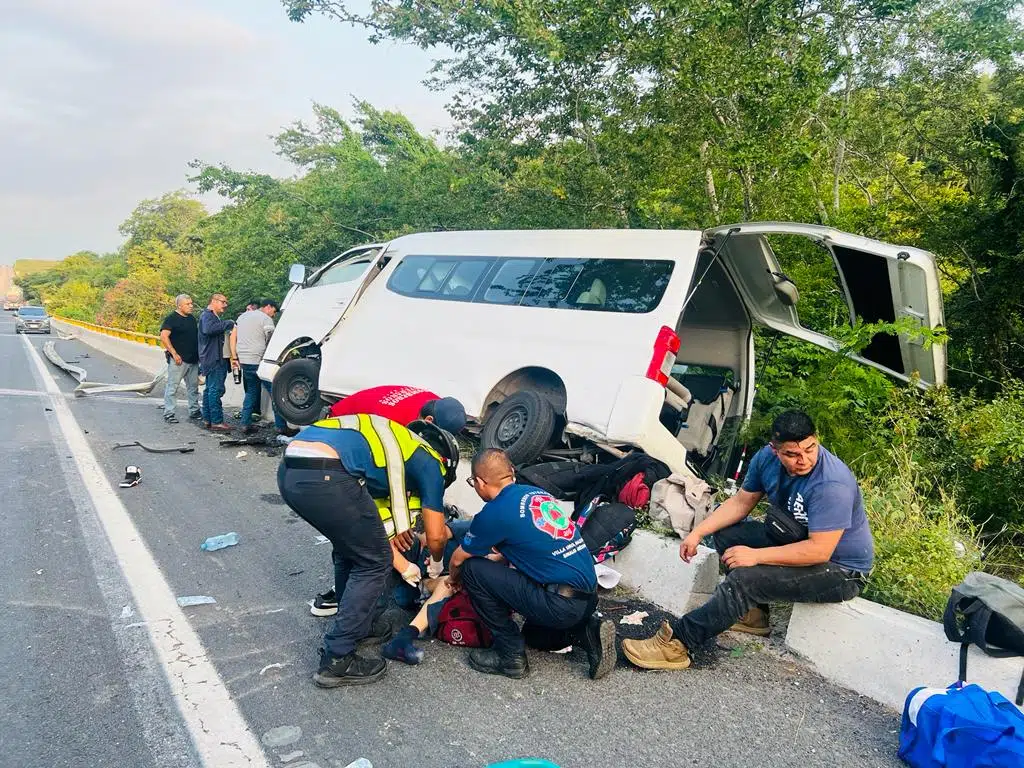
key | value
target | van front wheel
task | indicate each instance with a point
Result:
(521, 426)
(295, 393)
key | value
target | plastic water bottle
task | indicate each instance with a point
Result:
(219, 542)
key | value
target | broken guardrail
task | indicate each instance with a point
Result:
(86, 387)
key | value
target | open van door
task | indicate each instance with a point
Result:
(880, 283)
(314, 307)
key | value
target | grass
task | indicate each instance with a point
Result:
(26, 267)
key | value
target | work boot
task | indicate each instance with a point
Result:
(662, 651)
(598, 640)
(380, 632)
(348, 670)
(325, 604)
(755, 622)
(491, 662)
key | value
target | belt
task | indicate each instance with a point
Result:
(564, 590)
(311, 462)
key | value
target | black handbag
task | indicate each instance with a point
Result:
(782, 527)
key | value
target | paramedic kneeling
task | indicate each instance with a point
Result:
(553, 584)
(815, 546)
(330, 476)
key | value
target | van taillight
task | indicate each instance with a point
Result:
(666, 345)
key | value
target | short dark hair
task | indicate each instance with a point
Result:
(260, 303)
(491, 458)
(792, 427)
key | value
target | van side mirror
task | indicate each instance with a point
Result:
(786, 291)
(297, 274)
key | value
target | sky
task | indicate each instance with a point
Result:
(103, 103)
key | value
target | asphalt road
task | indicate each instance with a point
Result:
(98, 667)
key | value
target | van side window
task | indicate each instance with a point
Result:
(601, 285)
(510, 282)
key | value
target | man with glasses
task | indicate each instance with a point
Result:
(815, 545)
(553, 584)
(213, 363)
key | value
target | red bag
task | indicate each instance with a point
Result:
(635, 493)
(460, 624)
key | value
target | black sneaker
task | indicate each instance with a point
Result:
(598, 640)
(489, 661)
(170, 418)
(348, 670)
(196, 415)
(325, 604)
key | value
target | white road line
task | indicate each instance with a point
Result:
(22, 393)
(217, 728)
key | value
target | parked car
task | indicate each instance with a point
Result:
(31, 320)
(562, 342)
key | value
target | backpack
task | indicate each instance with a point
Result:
(989, 612)
(458, 623)
(607, 529)
(960, 727)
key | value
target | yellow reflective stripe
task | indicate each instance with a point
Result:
(367, 430)
(394, 467)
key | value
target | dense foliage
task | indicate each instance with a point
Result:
(900, 120)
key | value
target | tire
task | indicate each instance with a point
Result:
(521, 426)
(295, 392)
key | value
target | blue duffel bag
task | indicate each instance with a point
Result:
(963, 726)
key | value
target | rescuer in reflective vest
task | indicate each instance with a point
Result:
(330, 476)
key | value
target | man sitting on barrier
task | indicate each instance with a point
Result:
(815, 545)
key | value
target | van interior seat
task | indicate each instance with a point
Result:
(597, 294)
(712, 398)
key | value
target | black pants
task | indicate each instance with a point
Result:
(746, 588)
(496, 590)
(336, 504)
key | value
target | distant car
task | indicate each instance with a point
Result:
(11, 306)
(32, 320)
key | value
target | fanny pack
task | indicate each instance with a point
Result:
(782, 527)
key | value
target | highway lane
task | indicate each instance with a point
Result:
(109, 697)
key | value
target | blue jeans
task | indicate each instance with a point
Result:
(254, 387)
(189, 373)
(758, 585)
(213, 411)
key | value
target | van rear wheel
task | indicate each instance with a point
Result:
(521, 426)
(295, 392)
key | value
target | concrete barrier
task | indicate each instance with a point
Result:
(884, 653)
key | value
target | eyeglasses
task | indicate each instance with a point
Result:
(471, 481)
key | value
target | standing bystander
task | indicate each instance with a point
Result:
(212, 362)
(249, 340)
(179, 336)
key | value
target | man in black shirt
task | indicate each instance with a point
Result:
(179, 336)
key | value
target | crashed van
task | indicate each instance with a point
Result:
(580, 343)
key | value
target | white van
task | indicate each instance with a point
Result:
(563, 342)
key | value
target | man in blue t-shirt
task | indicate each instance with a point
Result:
(825, 557)
(552, 583)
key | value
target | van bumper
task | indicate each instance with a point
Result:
(635, 420)
(267, 371)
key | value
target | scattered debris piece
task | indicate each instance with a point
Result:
(320, 539)
(219, 542)
(39, 572)
(295, 573)
(90, 387)
(152, 449)
(241, 454)
(362, 762)
(249, 440)
(607, 578)
(132, 477)
(282, 736)
(292, 756)
(184, 602)
(127, 612)
(284, 439)
(278, 665)
(636, 618)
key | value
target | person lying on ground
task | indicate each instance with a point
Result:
(553, 584)
(815, 546)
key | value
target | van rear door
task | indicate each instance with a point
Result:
(880, 283)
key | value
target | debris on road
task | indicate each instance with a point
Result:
(636, 618)
(284, 439)
(219, 542)
(320, 539)
(282, 736)
(132, 477)
(185, 602)
(127, 612)
(277, 665)
(252, 440)
(241, 454)
(50, 351)
(150, 449)
(86, 387)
